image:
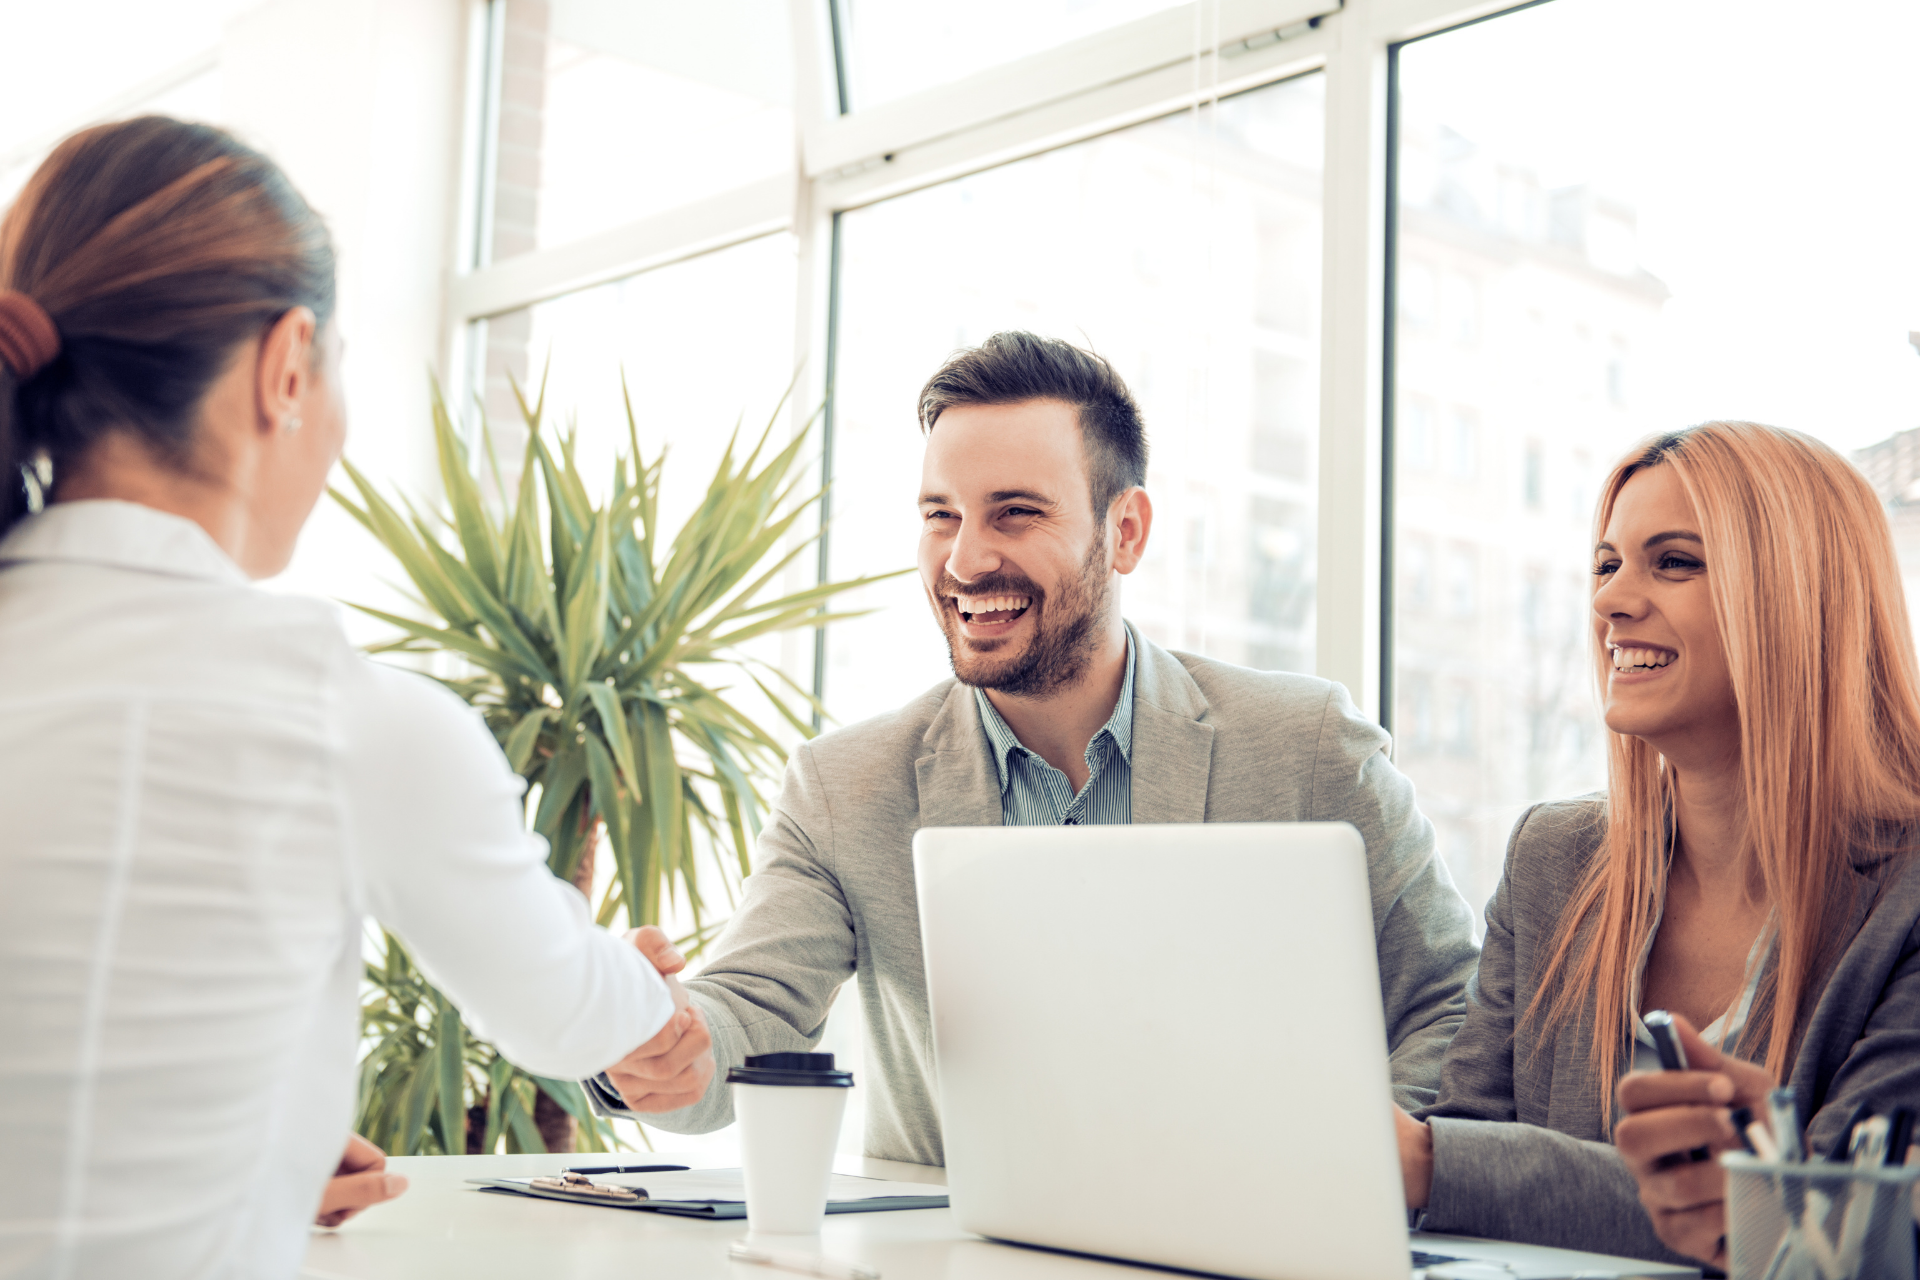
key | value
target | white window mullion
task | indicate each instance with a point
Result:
(817, 99)
(1347, 639)
(729, 218)
(1351, 608)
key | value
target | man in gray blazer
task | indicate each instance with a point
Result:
(1058, 712)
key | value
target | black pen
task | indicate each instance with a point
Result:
(1666, 1042)
(1742, 1117)
(625, 1168)
(1899, 1136)
(1842, 1148)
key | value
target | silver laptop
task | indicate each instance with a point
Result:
(1164, 1044)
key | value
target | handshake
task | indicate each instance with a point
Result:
(668, 1072)
(673, 1069)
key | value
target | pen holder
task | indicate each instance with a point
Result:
(1818, 1220)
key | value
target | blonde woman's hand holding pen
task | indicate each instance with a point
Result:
(1670, 1113)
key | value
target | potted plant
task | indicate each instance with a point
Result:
(589, 639)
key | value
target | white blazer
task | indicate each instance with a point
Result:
(203, 788)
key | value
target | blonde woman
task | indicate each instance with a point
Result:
(1748, 869)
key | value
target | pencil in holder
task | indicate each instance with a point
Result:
(1818, 1220)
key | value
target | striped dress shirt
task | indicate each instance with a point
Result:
(1035, 794)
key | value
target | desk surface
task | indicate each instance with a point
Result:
(444, 1228)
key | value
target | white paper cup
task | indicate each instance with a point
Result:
(789, 1106)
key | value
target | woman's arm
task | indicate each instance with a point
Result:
(1476, 1076)
(1490, 1174)
(439, 837)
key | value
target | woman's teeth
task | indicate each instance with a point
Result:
(991, 608)
(1639, 659)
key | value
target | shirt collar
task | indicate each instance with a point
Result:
(125, 535)
(1001, 738)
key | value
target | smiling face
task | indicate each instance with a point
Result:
(1016, 567)
(1667, 680)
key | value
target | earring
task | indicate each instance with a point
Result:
(291, 423)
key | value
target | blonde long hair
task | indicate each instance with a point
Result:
(1811, 609)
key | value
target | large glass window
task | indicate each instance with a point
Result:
(1185, 250)
(1617, 217)
(703, 345)
(893, 48)
(609, 111)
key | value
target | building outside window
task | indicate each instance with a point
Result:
(1579, 171)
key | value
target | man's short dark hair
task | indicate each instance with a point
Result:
(1015, 367)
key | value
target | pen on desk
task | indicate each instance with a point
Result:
(625, 1168)
(1673, 1057)
(806, 1264)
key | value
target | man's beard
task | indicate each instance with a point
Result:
(1066, 631)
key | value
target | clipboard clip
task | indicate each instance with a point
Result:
(578, 1184)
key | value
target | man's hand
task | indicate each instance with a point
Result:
(1416, 1157)
(361, 1180)
(1672, 1112)
(673, 1069)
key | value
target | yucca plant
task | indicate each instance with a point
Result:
(590, 640)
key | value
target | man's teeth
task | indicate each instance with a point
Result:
(1003, 608)
(1628, 659)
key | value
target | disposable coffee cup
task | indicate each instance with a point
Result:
(789, 1106)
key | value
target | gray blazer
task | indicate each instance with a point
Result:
(1553, 1178)
(832, 894)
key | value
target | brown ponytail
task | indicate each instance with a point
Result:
(156, 248)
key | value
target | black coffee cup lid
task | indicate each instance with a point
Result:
(791, 1068)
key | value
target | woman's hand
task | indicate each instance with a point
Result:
(361, 1180)
(1416, 1157)
(652, 942)
(1672, 1112)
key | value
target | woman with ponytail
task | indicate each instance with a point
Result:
(1749, 868)
(203, 788)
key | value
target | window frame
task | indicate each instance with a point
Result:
(1101, 83)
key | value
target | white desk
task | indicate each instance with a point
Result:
(444, 1229)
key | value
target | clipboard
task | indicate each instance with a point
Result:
(708, 1193)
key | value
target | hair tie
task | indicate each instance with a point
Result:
(28, 339)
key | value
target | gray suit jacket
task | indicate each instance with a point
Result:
(832, 894)
(1553, 1178)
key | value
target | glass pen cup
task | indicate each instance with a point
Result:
(789, 1106)
(1818, 1219)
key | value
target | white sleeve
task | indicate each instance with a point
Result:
(447, 864)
